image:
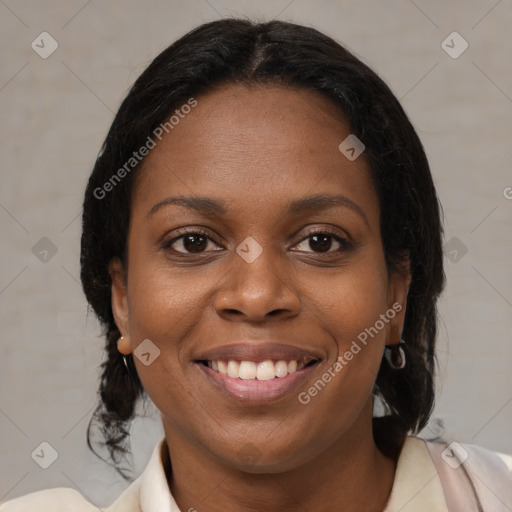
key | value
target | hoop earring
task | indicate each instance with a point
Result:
(395, 355)
(124, 357)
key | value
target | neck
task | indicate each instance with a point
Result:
(350, 475)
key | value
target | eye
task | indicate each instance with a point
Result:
(323, 241)
(190, 242)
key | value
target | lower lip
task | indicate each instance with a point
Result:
(258, 391)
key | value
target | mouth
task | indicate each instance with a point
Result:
(257, 373)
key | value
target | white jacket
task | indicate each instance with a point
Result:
(429, 477)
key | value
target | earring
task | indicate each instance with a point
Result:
(395, 355)
(124, 357)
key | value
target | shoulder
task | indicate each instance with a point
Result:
(454, 455)
(69, 500)
(148, 492)
(501, 461)
(474, 474)
(49, 500)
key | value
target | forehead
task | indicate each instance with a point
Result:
(252, 145)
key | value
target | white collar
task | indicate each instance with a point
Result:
(155, 495)
(417, 487)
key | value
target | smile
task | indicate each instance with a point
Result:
(248, 388)
(258, 371)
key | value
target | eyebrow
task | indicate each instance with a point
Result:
(306, 204)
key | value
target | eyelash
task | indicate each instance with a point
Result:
(344, 243)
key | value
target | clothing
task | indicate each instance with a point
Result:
(428, 478)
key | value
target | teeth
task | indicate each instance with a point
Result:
(281, 369)
(292, 366)
(223, 367)
(233, 369)
(266, 371)
(250, 370)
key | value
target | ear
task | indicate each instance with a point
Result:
(398, 290)
(119, 303)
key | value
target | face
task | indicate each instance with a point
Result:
(270, 268)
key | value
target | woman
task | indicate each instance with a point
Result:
(263, 245)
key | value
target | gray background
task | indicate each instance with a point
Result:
(54, 116)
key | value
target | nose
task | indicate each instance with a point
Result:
(256, 291)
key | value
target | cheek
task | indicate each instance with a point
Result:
(167, 307)
(352, 300)
(163, 307)
(163, 302)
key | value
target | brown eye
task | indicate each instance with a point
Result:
(323, 242)
(190, 242)
(194, 243)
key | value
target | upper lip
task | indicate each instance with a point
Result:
(256, 350)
